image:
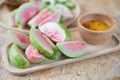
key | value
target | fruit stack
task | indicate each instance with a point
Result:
(47, 38)
(37, 13)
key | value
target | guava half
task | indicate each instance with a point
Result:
(56, 32)
(17, 58)
(24, 13)
(38, 41)
(72, 48)
(19, 39)
(33, 55)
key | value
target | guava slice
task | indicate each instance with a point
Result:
(19, 39)
(38, 41)
(17, 58)
(56, 32)
(66, 13)
(24, 13)
(55, 17)
(48, 3)
(57, 53)
(39, 17)
(33, 55)
(72, 48)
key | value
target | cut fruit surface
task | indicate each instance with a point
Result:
(56, 32)
(33, 55)
(19, 39)
(72, 48)
(38, 41)
(16, 57)
(25, 13)
(66, 13)
(39, 18)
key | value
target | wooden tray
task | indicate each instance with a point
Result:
(92, 51)
(6, 19)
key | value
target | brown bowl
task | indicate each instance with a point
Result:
(96, 37)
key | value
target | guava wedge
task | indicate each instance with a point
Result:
(55, 17)
(24, 13)
(56, 32)
(72, 48)
(66, 13)
(33, 55)
(38, 41)
(19, 39)
(17, 58)
(57, 52)
(34, 22)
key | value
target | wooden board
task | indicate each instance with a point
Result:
(112, 45)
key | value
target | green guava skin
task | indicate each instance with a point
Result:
(69, 53)
(57, 53)
(16, 57)
(39, 45)
(15, 39)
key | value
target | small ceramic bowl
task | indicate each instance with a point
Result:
(92, 36)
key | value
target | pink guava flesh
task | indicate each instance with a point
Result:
(32, 53)
(75, 46)
(39, 35)
(41, 16)
(51, 18)
(54, 34)
(23, 38)
(28, 13)
(65, 12)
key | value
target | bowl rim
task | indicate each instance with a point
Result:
(93, 31)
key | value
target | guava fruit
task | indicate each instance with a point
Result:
(19, 39)
(66, 13)
(56, 32)
(55, 17)
(33, 55)
(48, 3)
(70, 4)
(17, 58)
(57, 53)
(24, 13)
(39, 17)
(72, 48)
(38, 41)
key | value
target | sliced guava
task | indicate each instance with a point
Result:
(38, 41)
(33, 55)
(17, 58)
(57, 53)
(72, 48)
(70, 4)
(24, 13)
(56, 32)
(39, 18)
(19, 39)
(55, 17)
(65, 11)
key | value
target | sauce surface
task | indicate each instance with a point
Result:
(96, 25)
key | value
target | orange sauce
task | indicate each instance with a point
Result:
(96, 25)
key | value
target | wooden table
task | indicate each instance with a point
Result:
(106, 67)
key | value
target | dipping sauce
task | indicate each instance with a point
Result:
(96, 25)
